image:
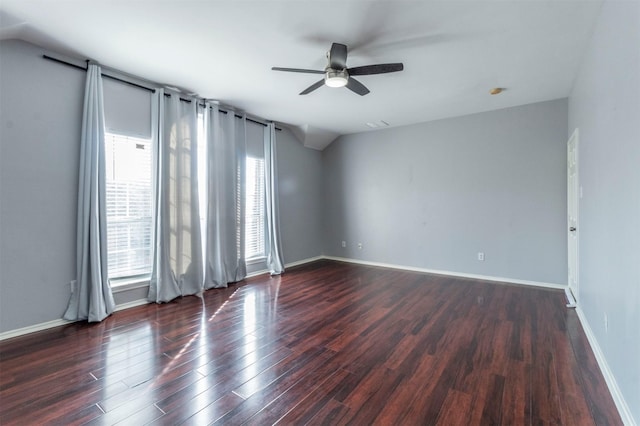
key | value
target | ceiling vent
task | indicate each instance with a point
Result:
(377, 124)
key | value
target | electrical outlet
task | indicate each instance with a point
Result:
(72, 286)
(606, 323)
(359, 246)
(344, 244)
(481, 256)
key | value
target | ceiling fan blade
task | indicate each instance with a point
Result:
(338, 56)
(313, 87)
(357, 87)
(376, 69)
(297, 70)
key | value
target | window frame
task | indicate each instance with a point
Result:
(134, 280)
(259, 188)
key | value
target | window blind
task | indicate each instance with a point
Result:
(254, 212)
(129, 205)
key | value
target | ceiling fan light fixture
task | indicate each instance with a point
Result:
(334, 78)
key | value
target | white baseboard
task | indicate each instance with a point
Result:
(256, 273)
(571, 301)
(131, 304)
(58, 322)
(449, 273)
(616, 394)
(287, 265)
(33, 328)
(303, 261)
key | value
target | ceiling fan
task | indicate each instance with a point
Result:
(336, 74)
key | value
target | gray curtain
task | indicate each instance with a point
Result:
(226, 153)
(273, 247)
(177, 261)
(91, 299)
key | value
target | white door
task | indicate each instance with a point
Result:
(572, 212)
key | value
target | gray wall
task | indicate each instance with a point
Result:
(605, 106)
(40, 120)
(433, 195)
(300, 190)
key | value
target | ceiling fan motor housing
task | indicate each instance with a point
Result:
(336, 78)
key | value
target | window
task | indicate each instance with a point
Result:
(254, 211)
(129, 205)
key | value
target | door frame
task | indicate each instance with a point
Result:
(573, 291)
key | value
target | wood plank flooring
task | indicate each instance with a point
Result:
(326, 343)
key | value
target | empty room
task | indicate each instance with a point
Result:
(319, 212)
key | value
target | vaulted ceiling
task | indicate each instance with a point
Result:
(453, 52)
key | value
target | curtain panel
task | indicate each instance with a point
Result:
(91, 299)
(226, 153)
(273, 246)
(177, 260)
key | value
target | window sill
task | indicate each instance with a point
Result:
(119, 285)
(255, 260)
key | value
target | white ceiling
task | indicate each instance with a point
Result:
(453, 52)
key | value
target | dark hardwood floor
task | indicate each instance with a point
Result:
(326, 343)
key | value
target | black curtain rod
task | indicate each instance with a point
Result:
(150, 89)
(168, 95)
(60, 61)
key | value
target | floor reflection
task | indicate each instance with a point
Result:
(130, 359)
(130, 351)
(249, 324)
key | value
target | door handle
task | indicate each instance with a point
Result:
(572, 229)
